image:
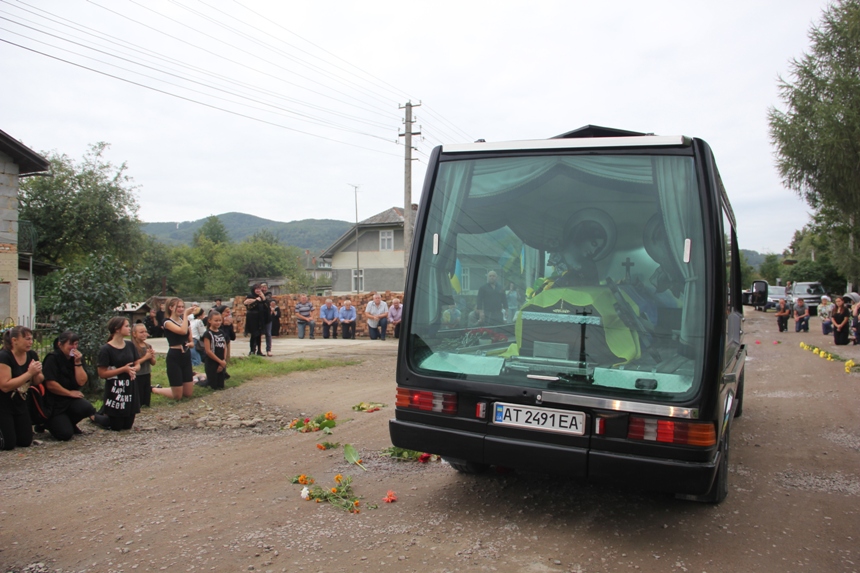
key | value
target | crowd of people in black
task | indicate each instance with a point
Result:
(46, 395)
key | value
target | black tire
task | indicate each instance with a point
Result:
(739, 397)
(720, 488)
(467, 467)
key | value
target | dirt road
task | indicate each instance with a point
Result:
(205, 488)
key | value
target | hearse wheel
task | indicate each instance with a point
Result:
(466, 467)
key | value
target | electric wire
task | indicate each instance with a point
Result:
(194, 101)
(142, 50)
(219, 40)
(276, 50)
(442, 127)
(298, 115)
(307, 119)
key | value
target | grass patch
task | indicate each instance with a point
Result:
(242, 369)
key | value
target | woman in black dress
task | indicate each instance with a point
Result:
(19, 369)
(841, 318)
(255, 318)
(64, 377)
(117, 365)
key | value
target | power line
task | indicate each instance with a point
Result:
(144, 51)
(194, 101)
(300, 116)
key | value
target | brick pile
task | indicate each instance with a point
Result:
(287, 302)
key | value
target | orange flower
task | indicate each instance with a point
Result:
(334, 490)
(391, 497)
(355, 503)
(303, 479)
(320, 447)
(338, 478)
(330, 416)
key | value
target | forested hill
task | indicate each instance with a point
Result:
(313, 234)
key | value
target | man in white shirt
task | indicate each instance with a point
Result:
(376, 314)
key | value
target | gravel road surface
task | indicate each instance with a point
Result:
(204, 486)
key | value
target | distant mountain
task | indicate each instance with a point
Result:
(313, 234)
(753, 258)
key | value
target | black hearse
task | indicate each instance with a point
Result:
(570, 310)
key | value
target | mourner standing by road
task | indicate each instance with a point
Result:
(491, 301)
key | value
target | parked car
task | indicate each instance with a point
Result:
(810, 292)
(774, 293)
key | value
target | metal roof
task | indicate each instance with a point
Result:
(28, 160)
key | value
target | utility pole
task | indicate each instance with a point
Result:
(357, 266)
(407, 185)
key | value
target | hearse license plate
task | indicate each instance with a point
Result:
(546, 419)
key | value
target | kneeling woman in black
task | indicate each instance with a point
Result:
(64, 376)
(116, 364)
(19, 369)
(178, 361)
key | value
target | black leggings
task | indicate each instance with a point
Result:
(16, 429)
(178, 367)
(144, 388)
(62, 426)
(256, 344)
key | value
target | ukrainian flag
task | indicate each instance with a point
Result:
(455, 278)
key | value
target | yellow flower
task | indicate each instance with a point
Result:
(802, 345)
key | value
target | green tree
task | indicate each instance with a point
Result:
(748, 272)
(771, 269)
(86, 207)
(212, 229)
(817, 136)
(822, 271)
(83, 299)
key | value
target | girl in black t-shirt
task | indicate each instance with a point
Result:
(64, 376)
(217, 352)
(117, 365)
(19, 369)
(178, 361)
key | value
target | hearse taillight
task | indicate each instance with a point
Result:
(442, 402)
(672, 431)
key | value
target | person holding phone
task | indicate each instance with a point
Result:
(178, 362)
(117, 364)
(64, 373)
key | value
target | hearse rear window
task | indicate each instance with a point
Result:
(581, 273)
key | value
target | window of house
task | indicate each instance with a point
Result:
(358, 280)
(386, 240)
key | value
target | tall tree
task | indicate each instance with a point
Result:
(213, 229)
(771, 269)
(82, 208)
(817, 137)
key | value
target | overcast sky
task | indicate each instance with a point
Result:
(315, 88)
